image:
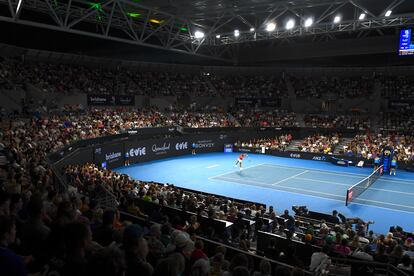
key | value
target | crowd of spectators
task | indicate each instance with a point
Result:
(339, 87)
(371, 145)
(338, 121)
(397, 88)
(320, 143)
(263, 118)
(279, 143)
(250, 86)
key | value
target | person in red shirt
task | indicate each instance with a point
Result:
(240, 160)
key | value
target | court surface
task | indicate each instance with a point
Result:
(283, 182)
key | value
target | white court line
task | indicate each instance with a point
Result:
(213, 166)
(404, 182)
(326, 198)
(387, 203)
(240, 180)
(347, 174)
(287, 178)
(234, 171)
(349, 185)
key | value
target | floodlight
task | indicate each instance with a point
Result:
(362, 16)
(198, 34)
(236, 33)
(388, 13)
(290, 24)
(270, 27)
(252, 29)
(337, 19)
(308, 22)
(218, 36)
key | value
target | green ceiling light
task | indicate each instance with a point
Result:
(96, 6)
(133, 14)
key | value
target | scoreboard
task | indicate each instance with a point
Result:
(406, 47)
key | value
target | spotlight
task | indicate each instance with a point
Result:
(218, 36)
(236, 33)
(198, 34)
(290, 24)
(388, 13)
(252, 29)
(308, 22)
(337, 19)
(362, 16)
(270, 27)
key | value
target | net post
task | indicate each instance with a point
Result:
(346, 200)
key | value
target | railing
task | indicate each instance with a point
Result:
(210, 245)
(359, 267)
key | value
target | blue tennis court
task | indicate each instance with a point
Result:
(283, 182)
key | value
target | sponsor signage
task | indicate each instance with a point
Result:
(263, 102)
(181, 146)
(109, 155)
(200, 144)
(105, 100)
(161, 149)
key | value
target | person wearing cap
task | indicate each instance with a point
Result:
(136, 250)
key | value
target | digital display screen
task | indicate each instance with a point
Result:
(406, 43)
(228, 148)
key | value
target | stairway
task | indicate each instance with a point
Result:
(294, 145)
(340, 146)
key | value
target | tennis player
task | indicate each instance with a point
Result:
(393, 167)
(240, 160)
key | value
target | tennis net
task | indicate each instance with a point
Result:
(356, 190)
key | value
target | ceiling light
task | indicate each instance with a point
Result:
(218, 36)
(337, 19)
(388, 13)
(290, 24)
(252, 29)
(270, 27)
(362, 16)
(308, 22)
(198, 34)
(236, 33)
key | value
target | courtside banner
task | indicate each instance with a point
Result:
(109, 156)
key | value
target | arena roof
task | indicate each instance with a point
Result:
(172, 24)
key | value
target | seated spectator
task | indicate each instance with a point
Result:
(410, 252)
(406, 264)
(10, 263)
(320, 260)
(104, 234)
(380, 255)
(343, 247)
(136, 250)
(173, 265)
(201, 267)
(364, 254)
(107, 261)
(271, 251)
(265, 269)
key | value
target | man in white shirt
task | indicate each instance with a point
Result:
(365, 254)
(319, 259)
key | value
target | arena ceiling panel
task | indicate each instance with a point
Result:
(213, 28)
